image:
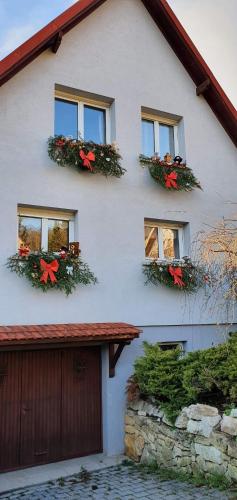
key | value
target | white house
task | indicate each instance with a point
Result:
(104, 70)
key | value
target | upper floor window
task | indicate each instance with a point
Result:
(43, 229)
(163, 240)
(159, 136)
(80, 119)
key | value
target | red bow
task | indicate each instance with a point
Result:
(176, 273)
(60, 143)
(87, 159)
(24, 251)
(48, 270)
(170, 180)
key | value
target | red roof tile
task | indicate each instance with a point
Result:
(172, 30)
(84, 332)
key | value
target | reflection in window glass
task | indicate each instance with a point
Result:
(166, 140)
(170, 346)
(94, 125)
(29, 232)
(170, 243)
(58, 234)
(148, 138)
(151, 242)
(66, 118)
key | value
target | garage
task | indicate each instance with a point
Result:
(50, 390)
(50, 404)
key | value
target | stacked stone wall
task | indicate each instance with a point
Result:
(200, 441)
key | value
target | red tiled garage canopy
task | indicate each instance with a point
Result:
(85, 332)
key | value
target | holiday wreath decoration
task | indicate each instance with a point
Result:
(178, 274)
(49, 270)
(86, 156)
(170, 173)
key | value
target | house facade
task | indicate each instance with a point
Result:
(104, 71)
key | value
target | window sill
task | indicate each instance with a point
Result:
(148, 261)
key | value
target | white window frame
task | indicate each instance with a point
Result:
(160, 226)
(80, 112)
(160, 120)
(45, 215)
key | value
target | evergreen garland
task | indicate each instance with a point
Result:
(188, 280)
(71, 271)
(86, 156)
(174, 177)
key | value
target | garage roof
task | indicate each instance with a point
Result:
(51, 36)
(83, 332)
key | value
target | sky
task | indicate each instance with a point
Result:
(210, 23)
(20, 19)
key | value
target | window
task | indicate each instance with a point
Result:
(43, 229)
(159, 136)
(163, 240)
(79, 119)
(167, 346)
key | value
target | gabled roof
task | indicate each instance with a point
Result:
(51, 35)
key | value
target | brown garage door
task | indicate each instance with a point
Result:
(50, 405)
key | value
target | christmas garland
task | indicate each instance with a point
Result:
(171, 174)
(49, 271)
(86, 156)
(180, 275)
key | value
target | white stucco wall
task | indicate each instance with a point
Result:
(117, 52)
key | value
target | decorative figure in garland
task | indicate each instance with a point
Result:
(170, 173)
(52, 270)
(180, 275)
(86, 156)
(24, 250)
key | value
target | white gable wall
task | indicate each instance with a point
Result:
(117, 52)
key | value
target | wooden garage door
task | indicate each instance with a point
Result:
(50, 405)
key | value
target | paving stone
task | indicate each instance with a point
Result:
(115, 483)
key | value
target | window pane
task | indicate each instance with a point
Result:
(170, 346)
(65, 118)
(94, 125)
(166, 140)
(170, 243)
(148, 138)
(29, 232)
(151, 242)
(58, 234)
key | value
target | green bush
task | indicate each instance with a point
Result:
(208, 376)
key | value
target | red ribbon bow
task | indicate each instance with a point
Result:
(60, 143)
(170, 180)
(49, 270)
(87, 159)
(176, 273)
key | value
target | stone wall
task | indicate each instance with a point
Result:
(201, 440)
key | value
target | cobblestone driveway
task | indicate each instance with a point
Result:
(114, 483)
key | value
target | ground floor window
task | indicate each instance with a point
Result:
(163, 240)
(45, 229)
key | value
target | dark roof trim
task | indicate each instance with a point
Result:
(45, 38)
(194, 64)
(164, 17)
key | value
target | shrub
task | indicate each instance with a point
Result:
(159, 376)
(208, 376)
